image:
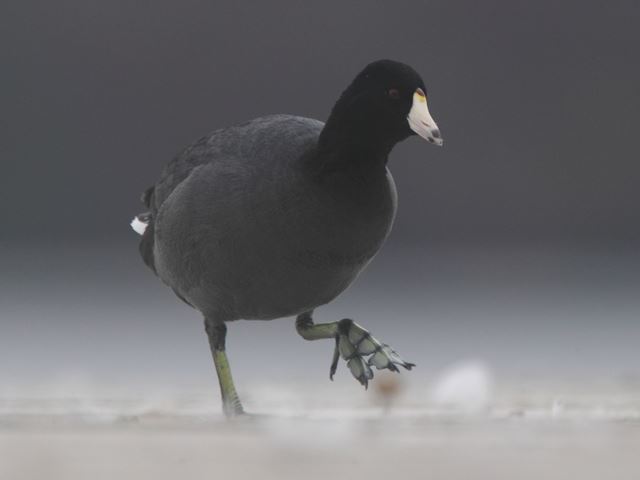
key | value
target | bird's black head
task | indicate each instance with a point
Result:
(384, 104)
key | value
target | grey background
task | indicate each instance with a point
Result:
(538, 103)
(515, 243)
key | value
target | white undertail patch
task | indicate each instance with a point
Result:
(138, 225)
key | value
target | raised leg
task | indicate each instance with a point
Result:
(217, 333)
(353, 344)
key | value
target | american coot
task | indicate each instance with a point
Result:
(277, 216)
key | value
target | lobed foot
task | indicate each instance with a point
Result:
(354, 343)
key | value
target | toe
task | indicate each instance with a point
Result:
(386, 357)
(360, 370)
(379, 360)
(361, 339)
(367, 345)
(346, 348)
(395, 358)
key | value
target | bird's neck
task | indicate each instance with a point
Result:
(346, 145)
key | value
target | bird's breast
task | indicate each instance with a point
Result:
(346, 223)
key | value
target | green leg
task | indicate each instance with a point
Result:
(312, 331)
(353, 344)
(217, 333)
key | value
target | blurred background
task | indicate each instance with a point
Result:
(515, 255)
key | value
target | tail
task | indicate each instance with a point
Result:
(142, 224)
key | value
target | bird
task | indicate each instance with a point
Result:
(277, 216)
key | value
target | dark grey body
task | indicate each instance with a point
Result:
(245, 226)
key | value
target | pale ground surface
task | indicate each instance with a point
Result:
(513, 435)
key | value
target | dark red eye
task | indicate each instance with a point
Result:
(393, 93)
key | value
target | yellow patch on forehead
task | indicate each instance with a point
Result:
(419, 96)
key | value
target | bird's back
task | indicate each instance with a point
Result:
(231, 151)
